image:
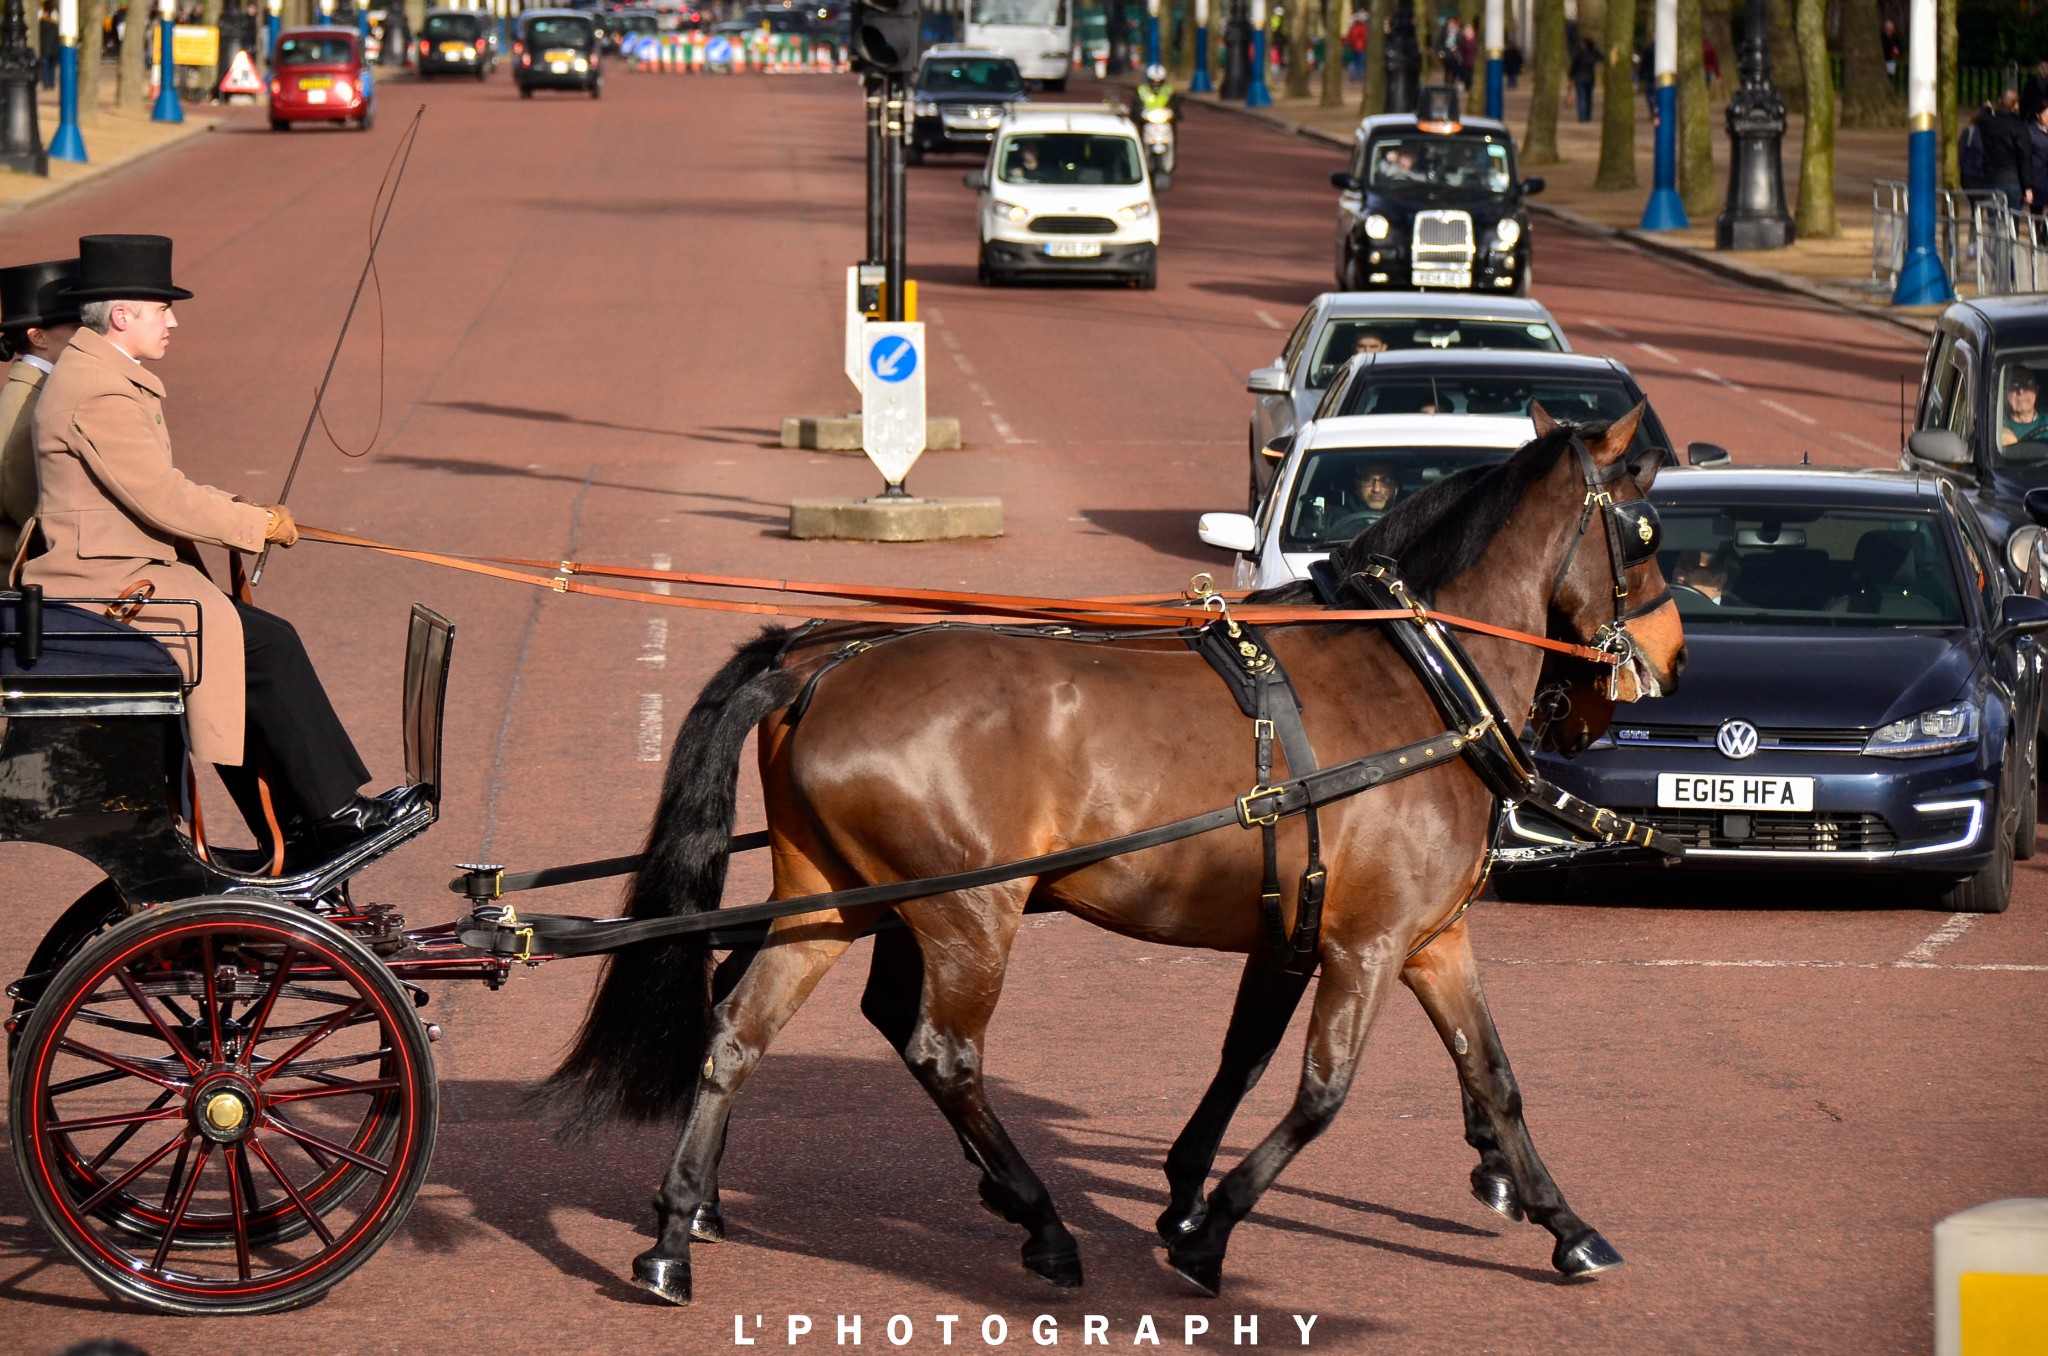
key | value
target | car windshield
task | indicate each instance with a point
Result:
(1572, 399)
(559, 33)
(636, 23)
(315, 52)
(971, 75)
(1070, 158)
(1342, 491)
(1807, 567)
(1428, 166)
(2023, 414)
(453, 27)
(1022, 13)
(1342, 338)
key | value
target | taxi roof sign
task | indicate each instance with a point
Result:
(1436, 108)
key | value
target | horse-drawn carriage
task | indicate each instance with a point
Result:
(222, 1093)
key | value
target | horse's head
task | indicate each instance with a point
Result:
(1609, 591)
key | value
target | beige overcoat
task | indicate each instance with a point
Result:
(115, 511)
(17, 459)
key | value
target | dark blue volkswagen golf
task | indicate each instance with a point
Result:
(1862, 692)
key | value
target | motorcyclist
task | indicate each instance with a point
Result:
(1155, 92)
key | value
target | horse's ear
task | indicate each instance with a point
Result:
(1541, 418)
(1619, 435)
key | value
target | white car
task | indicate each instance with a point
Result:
(1066, 192)
(1342, 475)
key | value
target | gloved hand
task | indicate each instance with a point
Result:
(283, 529)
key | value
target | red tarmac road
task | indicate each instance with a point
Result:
(597, 314)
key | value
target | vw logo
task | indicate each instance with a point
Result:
(1735, 739)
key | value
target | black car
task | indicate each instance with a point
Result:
(454, 42)
(1860, 694)
(1428, 203)
(558, 49)
(1982, 416)
(958, 100)
(623, 23)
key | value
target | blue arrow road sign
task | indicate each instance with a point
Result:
(893, 357)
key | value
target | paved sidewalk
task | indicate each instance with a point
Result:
(1834, 270)
(116, 139)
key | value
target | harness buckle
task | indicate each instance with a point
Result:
(525, 951)
(1245, 816)
(559, 584)
(1262, 729)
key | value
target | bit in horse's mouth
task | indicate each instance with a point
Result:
(1647, 684)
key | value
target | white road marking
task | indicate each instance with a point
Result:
(654, 650)
(1788, 411)
(1002, 427)
(1718, 379)
(1608, 330)
(662, 562)
(1659, 354)
(1955, 927)
(1270, 323)
(1864, 443)
(647, 745)
(1683, 964)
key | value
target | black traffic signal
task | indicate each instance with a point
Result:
(885, 36)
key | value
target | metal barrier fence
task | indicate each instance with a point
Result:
(2012, 254)
(1958, 229)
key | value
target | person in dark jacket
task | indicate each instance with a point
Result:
(2037, 162)
(48, 46)
(1585, 69)
(2007, 151)
(2034, 94)
(1970, 150)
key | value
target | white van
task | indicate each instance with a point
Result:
(1067, 191)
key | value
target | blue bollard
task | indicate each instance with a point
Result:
(68, 144)
(1201, 83)
(1256, 95)
(1496, 86)
(1922, 279)
(1664, 211)
(168, 108)
(1152, 40)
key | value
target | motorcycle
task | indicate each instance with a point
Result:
(1157, 131)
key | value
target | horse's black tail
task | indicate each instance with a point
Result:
(636, 1056)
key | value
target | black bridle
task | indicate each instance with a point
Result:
(1633, 533)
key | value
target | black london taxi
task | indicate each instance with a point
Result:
(1431, 200)
(455, 42)
(558, 49)
(1982, 419)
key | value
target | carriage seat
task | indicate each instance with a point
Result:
(90, 665)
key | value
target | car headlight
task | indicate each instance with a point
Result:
(1508, 232)
(2019, 548)
(1377, 226)
(927, 109)
(1942, 730)
(1137, 211)
(582, 64)
(1009, 211)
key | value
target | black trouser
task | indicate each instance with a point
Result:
(291, 733)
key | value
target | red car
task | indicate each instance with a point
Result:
(319, 76)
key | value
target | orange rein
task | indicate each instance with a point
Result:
(912, 606)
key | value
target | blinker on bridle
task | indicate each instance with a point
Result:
(1634, 532)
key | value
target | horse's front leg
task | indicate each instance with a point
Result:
(1266, 999)
(1445, 978)
(766, 996)
(1354, 985)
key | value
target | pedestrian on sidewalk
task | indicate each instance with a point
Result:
(1585, 69)
(1970, 150)
(2007, 151)
(49, 44)
(2034, 94)
(1511, 60)
(1710, 62)
(1356, 39)
(1468, 54)
(2037, 162)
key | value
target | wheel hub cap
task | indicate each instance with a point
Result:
(224, 1111)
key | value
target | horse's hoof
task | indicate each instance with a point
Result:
(1173, 1224)
(668, 1277)
(1059, 1266)
(1588, 1257)
(1203, 1273)
(707, 1225)
(1498, 1194)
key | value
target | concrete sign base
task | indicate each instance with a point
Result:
(895, 519)
(842, 433)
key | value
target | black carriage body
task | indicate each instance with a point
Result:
(1427, 205)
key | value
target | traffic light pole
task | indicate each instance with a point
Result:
(878, 184)
(898, 132)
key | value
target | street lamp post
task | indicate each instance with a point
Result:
(1151, 32)
(1664, 211)
(1922, 279)
(1495, 39)
(167, 109)
(68, 144)
(1755, 217)
(1256, 95)
(21, 141)
(1237, 46)
(1201, 83)
(1404, 60)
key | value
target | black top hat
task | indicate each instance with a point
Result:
(30, 295)
(125, 268)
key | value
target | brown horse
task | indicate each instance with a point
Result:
(947, 749)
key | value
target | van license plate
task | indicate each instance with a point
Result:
(1442, 277)
(1718, 791)
(1073, 249)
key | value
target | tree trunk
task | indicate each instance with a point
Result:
(1336, 20)
(1618, 99)
(1374, 97)
(1299, 35)
(1867, 97)
(1696, 186)
(131, 91)
(1546, 84)
(92, 15)
(1815, 215)
(1945, 90)
(1184, 43)
(1786, 70)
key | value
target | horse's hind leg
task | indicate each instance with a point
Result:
(1266, 999)
(707, 1223)
(1347, 1000)
(962, 979)
(1444, 977)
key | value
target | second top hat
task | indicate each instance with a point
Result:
(125, 268)
(31, 295)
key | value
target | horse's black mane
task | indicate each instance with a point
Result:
(1443, 530)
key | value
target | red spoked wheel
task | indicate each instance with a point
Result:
(223, 1106)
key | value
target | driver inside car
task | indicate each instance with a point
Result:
(2025, 421)
(1374, 489)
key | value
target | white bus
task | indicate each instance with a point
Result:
(1037, 34)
